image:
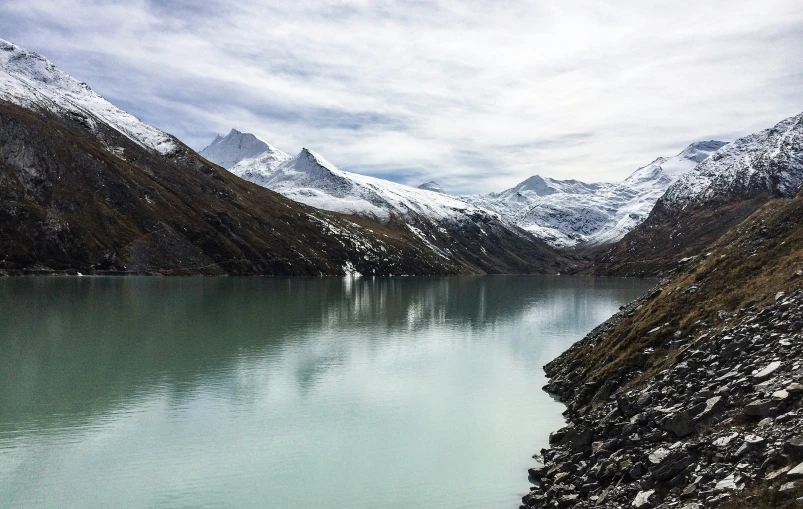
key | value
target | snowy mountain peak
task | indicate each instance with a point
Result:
(568, 212)
(311, 179)
(432, 186)
(316, 159)
(770, 161)
(234, 147)
(30, 80)
(312, 162)
(537, 185)
(666, 170)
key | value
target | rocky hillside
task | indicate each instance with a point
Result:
(86, 187)
(707, 201)
(691, 397)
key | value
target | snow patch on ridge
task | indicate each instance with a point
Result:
(769, 161)
(30, 80)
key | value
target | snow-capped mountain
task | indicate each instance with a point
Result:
(30, 80)
(450, 227)
(432, 186)
(569, 212)
(562, 212)
(236, 146)
(770, 161)
(710, 199)
(311, 179)
(86, 187)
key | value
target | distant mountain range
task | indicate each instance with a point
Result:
(563, 213)
(448, 225)
(85, 186)
(569, 212)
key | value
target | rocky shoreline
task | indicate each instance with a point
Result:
(720, 426)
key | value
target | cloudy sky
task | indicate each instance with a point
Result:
(477, 95)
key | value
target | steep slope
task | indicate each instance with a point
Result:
(67, 203)
(87, 187)
(569, 213)
(693, 395)
(705, 202)
(236, 146)
(452, 228)
(30, 80)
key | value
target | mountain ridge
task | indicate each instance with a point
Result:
(30, 80)
(705, 202)
(564, 213)
(447, 225)
(86, 187)
(570, 213)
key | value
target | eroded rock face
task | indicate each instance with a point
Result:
(725, 414)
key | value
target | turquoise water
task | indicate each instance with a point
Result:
(282, 393)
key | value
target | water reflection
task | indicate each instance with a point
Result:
(389, 392)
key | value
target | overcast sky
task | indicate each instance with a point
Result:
(477, 95)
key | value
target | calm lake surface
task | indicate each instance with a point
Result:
(283, 393)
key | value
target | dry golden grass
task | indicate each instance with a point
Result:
(748, 265)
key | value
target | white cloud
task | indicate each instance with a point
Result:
(475, 94)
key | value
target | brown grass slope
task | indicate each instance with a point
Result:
(75, 199)
(747, 266)
(655, 247)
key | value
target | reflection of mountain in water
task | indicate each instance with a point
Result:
(74, 347)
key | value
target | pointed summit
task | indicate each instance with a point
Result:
(316, 160)
(537, 185)
(234, 147)
(432, 186)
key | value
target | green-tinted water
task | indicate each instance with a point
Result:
(282, 393)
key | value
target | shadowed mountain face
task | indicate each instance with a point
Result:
(94, 201)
